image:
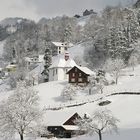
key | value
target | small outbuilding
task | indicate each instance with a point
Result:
(66, 129)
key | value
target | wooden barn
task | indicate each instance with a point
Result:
(66, 129)
(79, 75)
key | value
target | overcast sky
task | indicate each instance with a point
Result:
(35, 9)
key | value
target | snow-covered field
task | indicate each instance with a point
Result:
(125, 107)
(50, 92)
(127, 134)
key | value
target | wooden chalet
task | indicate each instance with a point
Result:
(71, 120)
(79, 75)
(67, 129)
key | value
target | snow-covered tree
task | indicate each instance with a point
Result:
(99, 122)
(114, 66)
(67, 33)
(48, 60)
(93, 27)
(133, 60)
(19, 74)
(100, 83)
(20, 112)
(91, 84)
(69, 92)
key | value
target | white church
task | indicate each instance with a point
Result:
(60, 66)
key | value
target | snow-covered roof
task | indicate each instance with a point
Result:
(41, 58)
(62, 117)
(28, 59)
(62, 44)
(85, 70)
(10, 66)
(60, 62)
(70, 127)
(38, 59)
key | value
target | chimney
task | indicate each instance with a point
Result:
(67, 56)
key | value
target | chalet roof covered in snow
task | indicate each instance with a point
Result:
(60, 62)
(70, 127)
(62, 44)
(85, 70)
(62, 117)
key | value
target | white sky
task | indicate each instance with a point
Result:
(35, 9)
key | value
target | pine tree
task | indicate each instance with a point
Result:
(48, 60)
(117, 43)
(67, 33)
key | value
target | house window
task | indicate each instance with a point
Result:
(73, 74)
(80, 79)
(75, 69)
(59, 48)
(72, 79)
(80, 74)
(66, 49)
(59, 52)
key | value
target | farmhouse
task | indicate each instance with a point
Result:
(66, 129)
(60, 66)
(34, 60)
(60, 47)
(79, 75)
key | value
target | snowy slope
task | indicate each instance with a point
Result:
(129, 134)
(77, 50)
(50, 92)
(124, 107)
(120, 106)
(83, 20)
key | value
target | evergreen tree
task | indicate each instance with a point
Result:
(48, 59)
(117, 43)
(67, 33)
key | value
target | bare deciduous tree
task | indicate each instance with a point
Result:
(20, 112)
(101, 121)
(114, 67)
(133, 61)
